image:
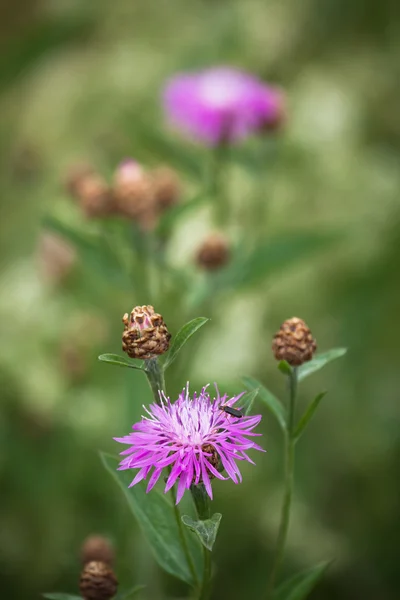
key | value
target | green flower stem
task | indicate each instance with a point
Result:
(182, 537)
(155, 376)
(219, 198)
(203, 509)
(289, 472)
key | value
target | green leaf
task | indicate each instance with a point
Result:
(247, 400)
(130, 593)
(57, 596)
(284, 367)
(95, 251)
(307, 415)
(156, 518)
(319, 361)
(205, 530)
(120, 361)
(183, 335)
(169, 219)
(272, 402)
(299, 586)
(274, 256)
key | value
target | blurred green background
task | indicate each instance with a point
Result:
(83, 81)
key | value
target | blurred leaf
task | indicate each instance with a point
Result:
(183, 335)
(274, 405)
(205, 530)
(130, 593)
(120, 361)
(41, 40)
(284, 367)
(156, 518)
(247, 400)
(172, 215)
(307, 415)
(275, 255)
(56, 596)
(299, 586)
(319, 361)
(94, 251)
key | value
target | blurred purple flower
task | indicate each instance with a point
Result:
(222, 105)
(191, 436)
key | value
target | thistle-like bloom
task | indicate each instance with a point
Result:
(222, 105)
(193, 436)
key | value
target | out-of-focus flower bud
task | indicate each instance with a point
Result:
(98, 581)
(74, 177)
(167, 187)
(134, 194)
(145, 333)
(97, 548)
(94, 196)
(294, 342)
(214, 253)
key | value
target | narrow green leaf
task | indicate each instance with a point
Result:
(247, 401)
(183, 335)
(307, 415)
(205, 530)
(120, 361)
(299, 586)
(272, 402)
(57, 596)
(130, 593)
(172, 215)
(284, 367)
(156, 518)
(319, 361)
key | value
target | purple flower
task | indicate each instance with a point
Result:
(191, 436)
(222, 104)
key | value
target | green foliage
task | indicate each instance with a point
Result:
(302, 424)
(300, 586)
(130, 593)
(206, 530)
(120, 361)
(57, 596)
(271, 401)
(180, 339)
(156, 518)
(319, 361)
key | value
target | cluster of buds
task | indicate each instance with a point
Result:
(145, 334)
(214, 252)
(98, 581)
(294, 342)
(135, 193)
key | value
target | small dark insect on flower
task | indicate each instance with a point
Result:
(231, 411)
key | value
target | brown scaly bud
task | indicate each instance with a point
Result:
(74, 177)
(134, 194)
(294, 342)
(214, 253)
(97, 548)
(98, 581)
(94, 196)
(167, 188)
(145, 333)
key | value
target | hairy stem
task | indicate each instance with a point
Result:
(155, 377)
(203, 509)
(182, 538)
(289, 475)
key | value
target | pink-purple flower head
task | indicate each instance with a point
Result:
(222, 105)
(193, 437)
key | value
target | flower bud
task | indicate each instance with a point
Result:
(74, 177)
(98, 581)
(134, 194)
(167, 187)
(145, 333)
(214, 253)
(294, 342)
(97, 548)
(94, 196)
